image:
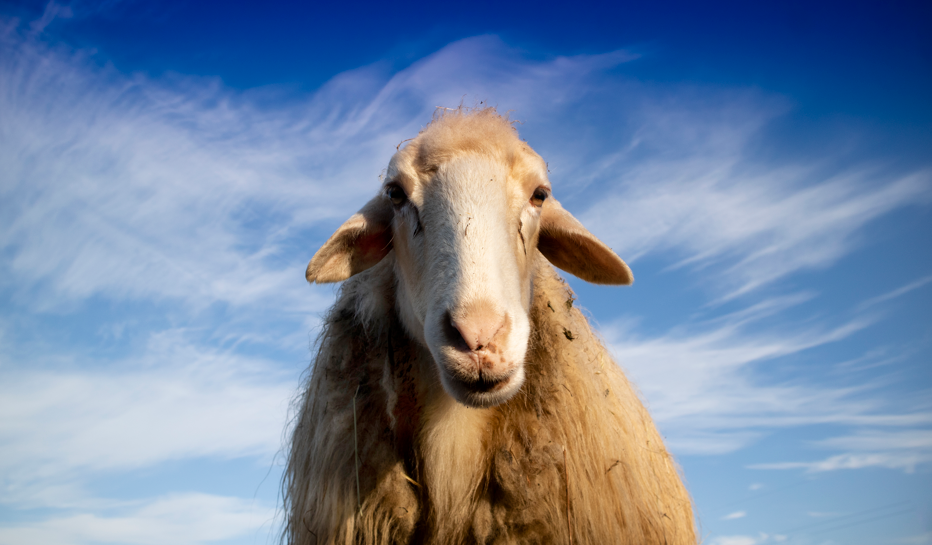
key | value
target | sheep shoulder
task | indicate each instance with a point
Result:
(345, 409)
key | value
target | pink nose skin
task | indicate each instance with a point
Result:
(479, 324)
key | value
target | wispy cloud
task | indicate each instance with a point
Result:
(53, 10)
(893, 449)
(735, 515)
(126, 187)
(184, 519)
(748, 540)
(734, 540)
(707, 206)
(916, 539)
(178, 401)
(701, 382)
(899, 292)
(880, 440)
(906, 462)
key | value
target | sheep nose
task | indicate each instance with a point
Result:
(478, 323)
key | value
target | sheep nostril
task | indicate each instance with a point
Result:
(453, 333)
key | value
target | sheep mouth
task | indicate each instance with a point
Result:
(484, 383)
(482, 390)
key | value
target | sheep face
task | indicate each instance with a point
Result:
(465, 229)
(466, 206)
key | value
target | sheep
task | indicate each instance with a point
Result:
(458, 394)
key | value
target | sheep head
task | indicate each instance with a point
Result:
(465, 207)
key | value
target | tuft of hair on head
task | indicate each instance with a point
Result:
(451, 131)
(470, 117)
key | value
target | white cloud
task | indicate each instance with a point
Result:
(906, 462)
(184, 519)
(710, 208)
(919, 539)
(177, 402)
(705, 385)
(872, 440)
(735, 515)
(899, 292)
(699, 381)
(53, 10)
(128, 187)
(892, 449)
(734, 540)
(745, 540)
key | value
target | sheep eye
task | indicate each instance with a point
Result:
(397, 195)
(539, 196)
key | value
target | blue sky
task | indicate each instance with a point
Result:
(169, 169)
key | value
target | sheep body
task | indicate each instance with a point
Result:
(573, 458)
(458, 396)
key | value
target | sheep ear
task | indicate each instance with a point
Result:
(568, 245)
(358, 244)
